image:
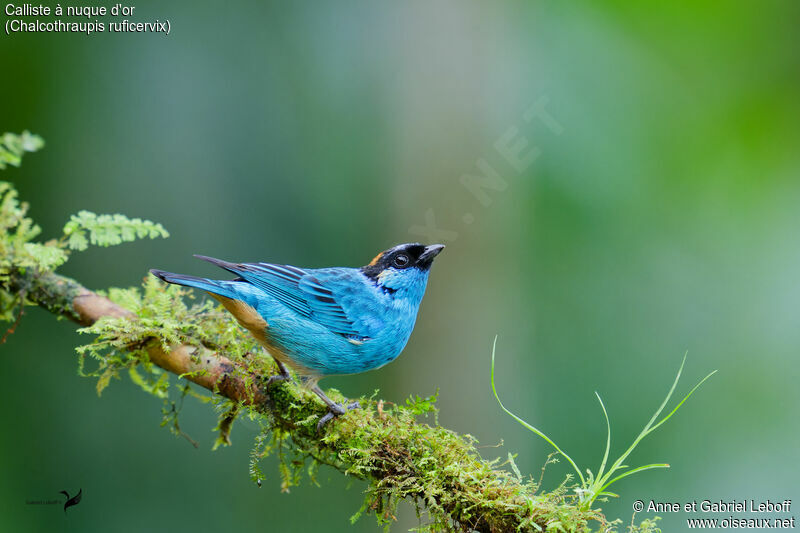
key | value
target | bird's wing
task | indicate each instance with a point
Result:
(328, 296)
(343, 296)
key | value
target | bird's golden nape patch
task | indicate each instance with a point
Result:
(246, 315)
(376, 259)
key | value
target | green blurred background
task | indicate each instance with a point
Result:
(663, 218)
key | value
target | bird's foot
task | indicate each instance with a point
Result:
(277, 378)
(335, 410)
(282, 375)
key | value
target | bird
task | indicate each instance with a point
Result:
(324, 322)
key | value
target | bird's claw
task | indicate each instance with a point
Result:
(277, 378)
(334, 411)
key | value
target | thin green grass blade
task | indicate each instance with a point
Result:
(684, 399)
(608, 436)
(637, 469)
(647, 428)
(528, 426)
(669, 395)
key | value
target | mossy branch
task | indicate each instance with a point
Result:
(401, 457)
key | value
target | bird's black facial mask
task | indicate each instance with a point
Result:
(401, 257)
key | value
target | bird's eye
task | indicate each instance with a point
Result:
(401, 261)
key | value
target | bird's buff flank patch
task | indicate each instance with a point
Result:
(246, 315)
(249, 318)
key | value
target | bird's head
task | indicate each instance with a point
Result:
(403, 270)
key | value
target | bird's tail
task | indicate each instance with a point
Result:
(214, 286)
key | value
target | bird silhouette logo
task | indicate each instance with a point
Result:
(75, 500)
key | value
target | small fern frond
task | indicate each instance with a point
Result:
(108, 230)
(13, 146)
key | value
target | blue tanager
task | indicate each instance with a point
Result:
(325, 321)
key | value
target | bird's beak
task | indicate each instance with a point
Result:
(430, 252)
